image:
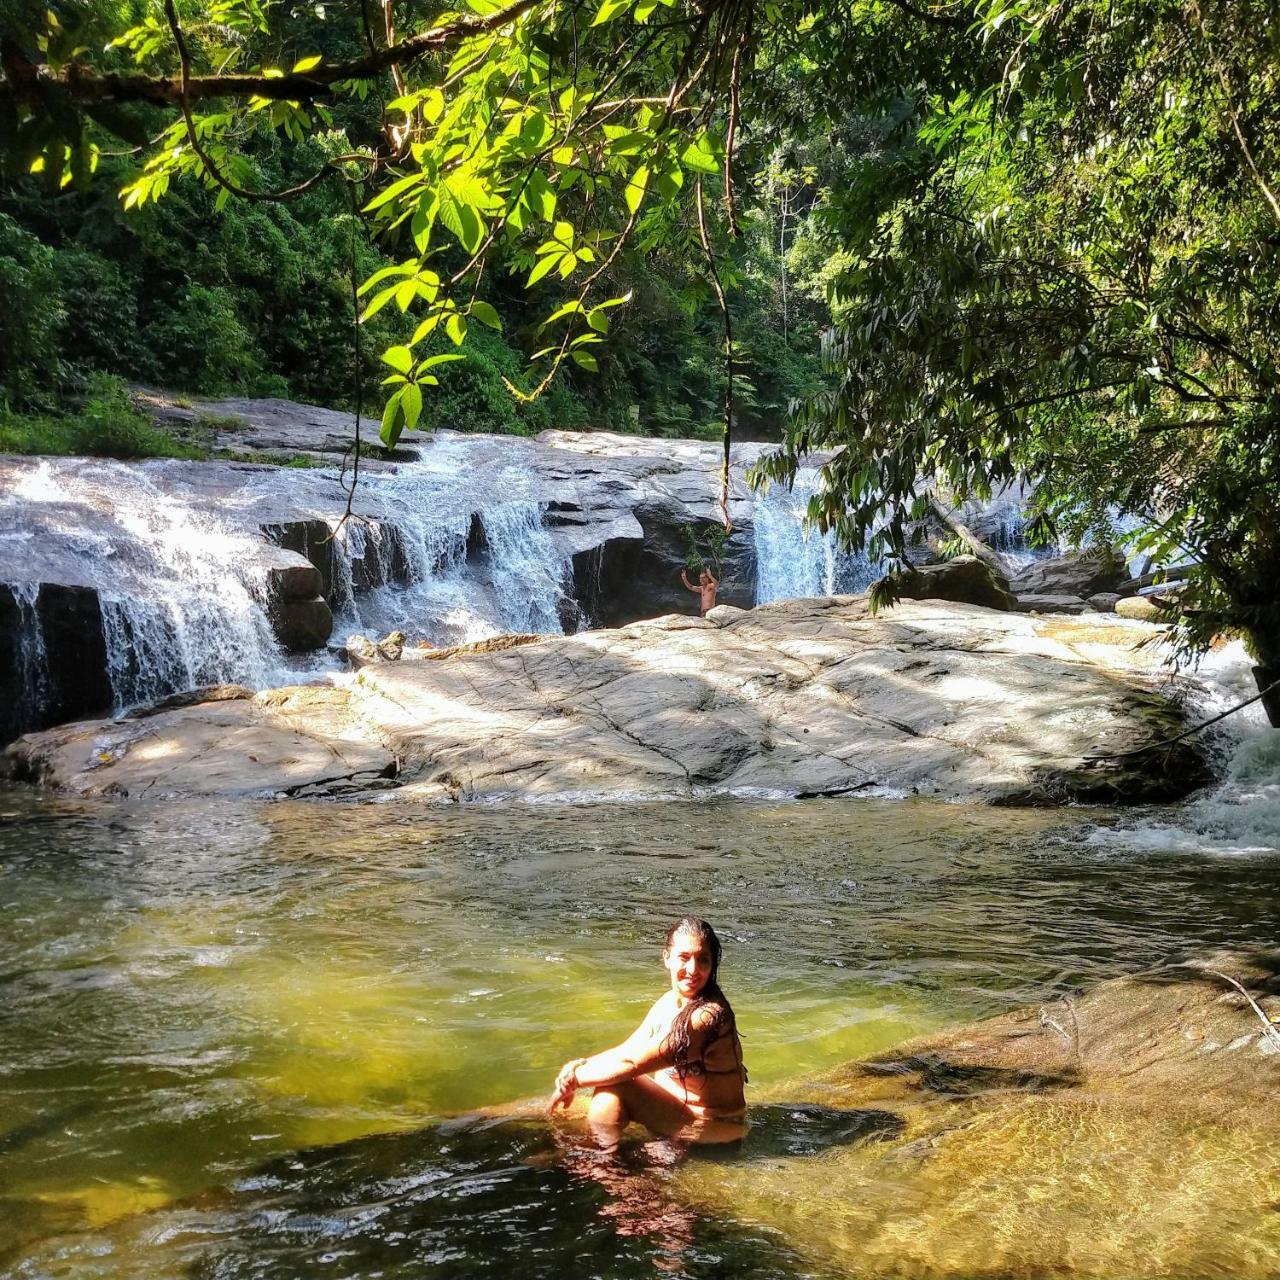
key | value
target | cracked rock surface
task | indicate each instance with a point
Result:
(804, 697)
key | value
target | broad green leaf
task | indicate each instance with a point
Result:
(307, 64)
(392, 421)
(399, 358)
(700, 156)
(411, 401)
(586, 360)
(486, 314)
(427, 326)
(636, 188)
(572, 307)
(609, 10)
(456, 327)
(546, 265)
(401, 269)
(445, 357)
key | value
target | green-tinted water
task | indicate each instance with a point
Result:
(199, 1002)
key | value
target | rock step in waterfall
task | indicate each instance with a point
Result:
(122, 583)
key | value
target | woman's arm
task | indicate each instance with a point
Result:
(651, 1054)
(633, 1047)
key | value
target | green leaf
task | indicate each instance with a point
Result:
(396, 189)
(586, 360)
(700, 156)
(307, 64)
(609, 10)
(445, 357)
(545, 266)
(392, 421)
(572, 307)
(427, 326)
(399, 358)
(456, 327)
(411, 400)
(486, 314)
(636, 187)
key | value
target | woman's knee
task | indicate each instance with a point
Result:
(607, 1106)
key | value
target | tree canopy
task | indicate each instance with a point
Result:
(1046, 230)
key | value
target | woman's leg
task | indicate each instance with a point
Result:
(615, 1106)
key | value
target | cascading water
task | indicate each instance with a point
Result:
(32, 660)
(794, 560)
(175, 556)
(1240, 815)
(451, 578)
(181, 596)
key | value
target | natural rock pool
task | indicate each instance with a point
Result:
(232, 1035)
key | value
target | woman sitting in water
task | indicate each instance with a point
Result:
(680, 1073)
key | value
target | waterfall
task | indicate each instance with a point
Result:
(32, 660)
(1240, 815)
(442, 549)
(449, 577)
(794, 560)
(181, 592)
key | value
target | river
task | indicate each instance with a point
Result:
(235, 1039)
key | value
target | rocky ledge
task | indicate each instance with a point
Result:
(1128, 1131)
(804, 697)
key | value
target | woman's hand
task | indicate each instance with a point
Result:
(566, 1085)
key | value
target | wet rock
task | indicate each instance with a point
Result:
(804, 697)
(1079, 573)
(1144, 609)
(191, 698)
(1050, 604)
(302, 625)
(963, 579)
(1128, 1131)
(494, 644)
(53, 659)
(282, 743)
(360, 651)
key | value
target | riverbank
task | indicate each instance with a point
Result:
(798, 698)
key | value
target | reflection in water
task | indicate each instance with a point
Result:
(197, 993)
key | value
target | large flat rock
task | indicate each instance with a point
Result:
(805, 697)
(286, 742)
(1129, 1131)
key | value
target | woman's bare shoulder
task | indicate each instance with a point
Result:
(711, 1016)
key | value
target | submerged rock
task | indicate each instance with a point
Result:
(1127, 1132)
(803, 697)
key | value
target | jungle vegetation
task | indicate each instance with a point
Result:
(1040, 238)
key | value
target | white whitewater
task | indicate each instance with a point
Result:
(181, 592)
(182, 584)
(1239, 815)
(794, 560)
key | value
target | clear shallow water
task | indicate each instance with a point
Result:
(229, 1033)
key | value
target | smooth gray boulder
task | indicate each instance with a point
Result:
(963, 580)
(1050, 604)
(1104, 601)
(1079, 573)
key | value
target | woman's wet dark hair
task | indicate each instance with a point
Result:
(678, 1036)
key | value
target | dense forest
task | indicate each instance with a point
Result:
(254, 298)
(1038, 239)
